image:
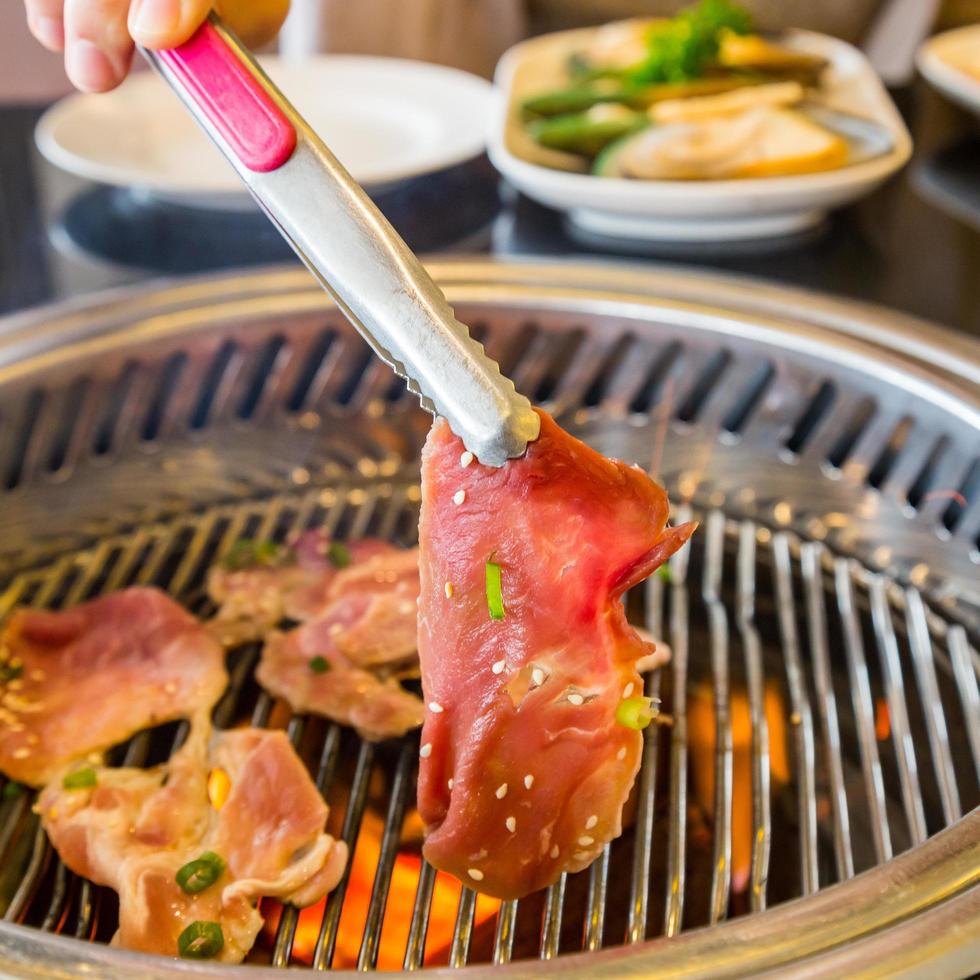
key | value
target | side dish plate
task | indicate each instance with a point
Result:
(950, 62)
(387, 119)
(853, 102)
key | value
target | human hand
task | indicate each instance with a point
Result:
(97, 35)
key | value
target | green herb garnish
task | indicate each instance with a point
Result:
(201, 941)
(663, 572)
(12, 791)
(201, 873)
(319, 665)
(339, 554)
(249, 553)
(634, 713)
(80, 779)
(682, 48)
(8, 673)
(495, 596)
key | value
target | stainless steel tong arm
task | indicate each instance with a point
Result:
(347, 243)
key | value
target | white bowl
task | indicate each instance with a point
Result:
(707, 210)
(386, 119)
(941, 58)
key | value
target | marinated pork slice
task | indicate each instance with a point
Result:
(532, 738)
(306, 668)
(79, 681)
(340, 663)
(192, 845)
(260, 583)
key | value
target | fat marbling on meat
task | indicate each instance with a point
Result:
(527, 754)
(82, 680)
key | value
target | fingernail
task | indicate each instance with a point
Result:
(150, 19)
(88, 67)
(49, 31)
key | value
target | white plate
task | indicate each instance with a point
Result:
(713, 210)
(386, 119)
(941, 60)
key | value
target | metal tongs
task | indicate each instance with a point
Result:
(346, 242)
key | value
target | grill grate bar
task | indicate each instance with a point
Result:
(925, 675)
(966, 683)
(367, 957)
(677, 837)
(827, 706)
(415, 948)
(173, 557)
(327, 939)
(459, 952)
(32, 874)
(755, 677)
(596, 902)
(721, 881)
(551, 926)
(857, 667)
(891, 670)
(282, 946)
(636, 928)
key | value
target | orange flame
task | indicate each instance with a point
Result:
(701, 719)
(398, 911)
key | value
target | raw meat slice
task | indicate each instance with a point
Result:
(531, 742)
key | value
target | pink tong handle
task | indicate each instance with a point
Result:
(231, 97)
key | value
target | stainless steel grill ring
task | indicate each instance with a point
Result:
(810, 809)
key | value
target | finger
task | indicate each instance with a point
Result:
(166, 23)
(254, 21)
(98, 48)
(45, 18)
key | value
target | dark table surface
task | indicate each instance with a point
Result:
(914, 245)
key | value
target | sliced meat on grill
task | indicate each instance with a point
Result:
(246, 798)
(79, 681)
(528, 753)
(306, 669)
(260, 584)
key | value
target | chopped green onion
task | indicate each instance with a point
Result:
(197, 875)
(8, 673)
(12, 791)
(339, 554)
(634, 713)
(495, 596)
(319, 665)
(80, 779)
(201, 941)
(663, 572)
(247, 553)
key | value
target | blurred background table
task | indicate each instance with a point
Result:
(913, 246)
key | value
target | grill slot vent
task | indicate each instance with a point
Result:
(814, 413)
(620, 350)
(75, 399)
(105, 432)
(888, 457)
(853, 430)
(703, 386)
(22, 431)
(265, 363)
(156, 416)
(211, 384)
(923, 482)
(654, 383)
(312, 365)
(963, 497)
(749, 399)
